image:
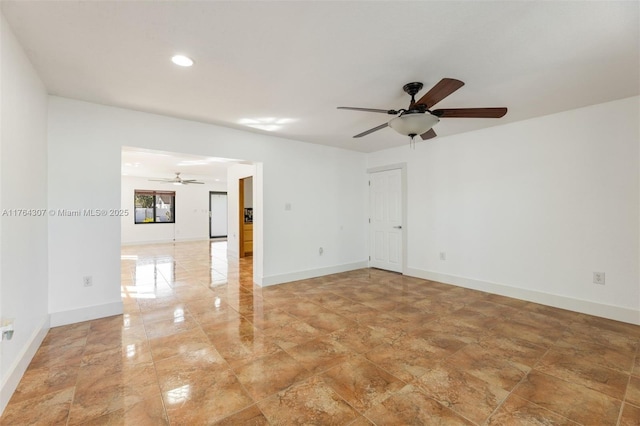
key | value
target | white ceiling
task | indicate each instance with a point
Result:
(146, 163)
(299, 60)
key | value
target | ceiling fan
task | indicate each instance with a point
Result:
(178, 180)
(419, 118)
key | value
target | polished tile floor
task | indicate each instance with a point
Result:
(199, 344)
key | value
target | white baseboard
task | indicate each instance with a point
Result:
(86, 314)
(617, 313)
(19, 366)
(312, 273)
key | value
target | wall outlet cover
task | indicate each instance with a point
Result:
(599, 278)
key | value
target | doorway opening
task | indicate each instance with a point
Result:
(245, 215)
(218, 213)
(143, 168)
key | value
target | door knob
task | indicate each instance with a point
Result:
(398, 227)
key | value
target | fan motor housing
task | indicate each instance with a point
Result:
(412, 88)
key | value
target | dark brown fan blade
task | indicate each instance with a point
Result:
(384, 111)
(429, 134)
(375, 129)
(444, 88)
(470, 112)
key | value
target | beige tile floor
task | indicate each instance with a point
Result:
(199, 344)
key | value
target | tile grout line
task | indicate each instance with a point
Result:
(155, 370)
(624, 397)
(511, 392)
(75, 387)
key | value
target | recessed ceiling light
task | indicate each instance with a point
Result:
(182, 60)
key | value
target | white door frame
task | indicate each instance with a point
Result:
(403, 188)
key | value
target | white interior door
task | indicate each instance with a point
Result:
(218, 214)
(385, 210)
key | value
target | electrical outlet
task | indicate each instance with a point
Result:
(598, 278)
(443, 255)
(87, 281)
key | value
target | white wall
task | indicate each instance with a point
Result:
(532, 209)
(23, 185)
(324, 185)
(191, 212)
(248, 193)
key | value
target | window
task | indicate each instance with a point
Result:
(155, 206)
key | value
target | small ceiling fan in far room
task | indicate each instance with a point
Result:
(178, 180)
(419, 118)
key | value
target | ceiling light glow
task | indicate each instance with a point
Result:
(193, 163)
(206, 161)
(269, 124)
(181, 60)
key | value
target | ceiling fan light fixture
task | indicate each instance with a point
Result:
(413, 124)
